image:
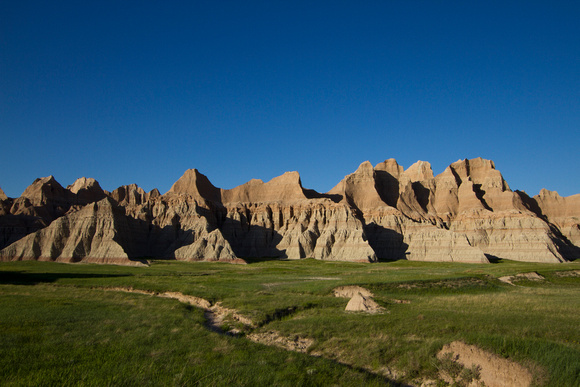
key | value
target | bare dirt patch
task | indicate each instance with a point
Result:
(191, 300)
(532, 276)
(273, 338)
(473, 366)
(217, 316)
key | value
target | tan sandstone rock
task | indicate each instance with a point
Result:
(209, 247)
(408, 231)
(196, 185)
(286, 188)
(564, 212)
(89, 232)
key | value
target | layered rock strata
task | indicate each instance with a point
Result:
(468, 213)
(97, 231)
(276, 219)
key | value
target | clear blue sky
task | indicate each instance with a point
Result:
(139, 91)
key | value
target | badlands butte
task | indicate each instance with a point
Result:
(468, 213)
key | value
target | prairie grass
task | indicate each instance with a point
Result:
(68, 336)
(58, 325)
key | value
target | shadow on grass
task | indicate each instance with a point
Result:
(24, 278)
(263, 259)
(493, 258)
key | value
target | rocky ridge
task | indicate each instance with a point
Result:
(468, 213)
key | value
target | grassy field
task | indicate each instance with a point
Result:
(58, 324)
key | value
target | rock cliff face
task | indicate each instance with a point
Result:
(407, 230)
(468, 213)
(97, 231)
(564, 213)
(42, 202)
(318, 229)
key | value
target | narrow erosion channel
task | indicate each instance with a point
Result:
(216, 315)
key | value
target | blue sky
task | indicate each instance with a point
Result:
(139, 91)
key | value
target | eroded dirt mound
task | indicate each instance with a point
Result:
(532, 276)
(361, 299)
(360, 303)
(476, 367)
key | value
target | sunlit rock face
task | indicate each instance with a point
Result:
(467, 213)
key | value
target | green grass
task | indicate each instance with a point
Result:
(57, 325)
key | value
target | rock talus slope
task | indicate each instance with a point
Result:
(468, 213)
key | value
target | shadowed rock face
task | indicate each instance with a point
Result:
(318, 229)
(85, 191)
(90, 232)
(42, 202)
(196, 185)
(467, 213)
(564, 213)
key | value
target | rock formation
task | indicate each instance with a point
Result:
(42, 202)
(97, 231)
(468, 213)
(407, 230)
(285, 189)
(85, 191)
(562, 212)
(196, 185)
(131, 196)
